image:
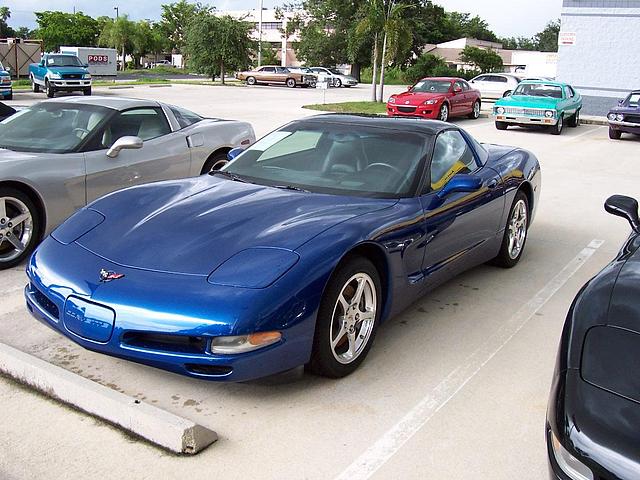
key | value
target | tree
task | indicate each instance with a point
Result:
(5, 29)
(175, 18)
(24, 32)
(484, 60)
(396, 39)
(428, 65)
(61, 28)
(520, 43)
(268, 54)
(459, 25)
(217, 44)
(547, 39)
(118, 34)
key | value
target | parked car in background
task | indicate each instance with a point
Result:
(6, 88)
(58, 155)
(593, 417)
(495, 85)
(335, 77)
(161, 63)
(550, 104)
(625, 118)
(272, 74)
(59, 72)
(6, 111)
(436, 97)
(293, 254)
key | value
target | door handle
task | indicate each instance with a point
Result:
(492, 184)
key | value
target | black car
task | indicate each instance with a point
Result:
(593, 419)
(6, 111)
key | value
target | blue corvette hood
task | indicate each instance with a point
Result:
(194, 225)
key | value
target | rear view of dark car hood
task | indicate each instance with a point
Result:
(192, 226)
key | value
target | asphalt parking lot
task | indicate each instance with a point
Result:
(455, 388)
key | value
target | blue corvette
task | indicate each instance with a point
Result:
(293, 254)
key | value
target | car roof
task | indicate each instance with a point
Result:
(115, 103)
(546, 82)
(444, 79)
(429, 127)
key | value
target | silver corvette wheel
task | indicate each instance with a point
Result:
(353, 318)
(517, 229)
(16, 228)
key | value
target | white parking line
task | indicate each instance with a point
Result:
(587, 132)
(380, 452)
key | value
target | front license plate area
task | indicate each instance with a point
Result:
(88, 320)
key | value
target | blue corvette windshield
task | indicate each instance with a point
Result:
(336, 158)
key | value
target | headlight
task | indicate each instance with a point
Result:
(244, 343)
(256, 267)
(570, 465)
(619, 117)
(549, 113)
(611, 116)
(500, 110)
(433, 101)
(87, 76)
(55, 76)
(392, 100)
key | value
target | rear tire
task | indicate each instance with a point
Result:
(27, 232)
(502, 125)
(337, 83)
(291, 83)
(215, 162)
(344, 319)
(475, 113)
(506, 94)
(515, 233)
(574, 121)
(51, 92)
(614, 134)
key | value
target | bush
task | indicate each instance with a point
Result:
(392, 76)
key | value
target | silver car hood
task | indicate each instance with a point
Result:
(10, 156)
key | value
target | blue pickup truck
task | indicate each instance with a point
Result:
(6, 91)
(58, 72)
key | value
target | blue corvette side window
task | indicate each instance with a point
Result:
(452, 155)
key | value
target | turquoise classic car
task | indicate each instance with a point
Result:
(6, 91)
(550, 104)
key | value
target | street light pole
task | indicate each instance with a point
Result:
(117, 12)
(260, 3)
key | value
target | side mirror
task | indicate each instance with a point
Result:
(457, 89)
(85, 65)
(234, 153)
(620, 102)
(625, 207)
(128, 143)
(460, 183)
(8, 69)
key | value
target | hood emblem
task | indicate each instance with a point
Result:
(107, 276)
(406, 102)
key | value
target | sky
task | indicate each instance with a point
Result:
(506, 19)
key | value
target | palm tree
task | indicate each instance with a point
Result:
(373, 23)
(396, 36)
(118, 34)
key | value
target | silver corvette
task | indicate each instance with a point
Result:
(59, 155)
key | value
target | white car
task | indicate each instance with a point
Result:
(334, 77)
(495, 85)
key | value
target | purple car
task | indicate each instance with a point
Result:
(625, 118)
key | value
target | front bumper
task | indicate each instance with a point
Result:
(524, 120)
(627, 127)
(423, 111)
(153, 322)
(70, 84)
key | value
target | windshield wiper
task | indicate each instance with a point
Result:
(229, 175)
(291, 187)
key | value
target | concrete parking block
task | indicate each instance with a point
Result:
(155, 425)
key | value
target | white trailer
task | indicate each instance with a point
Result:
(102, 62)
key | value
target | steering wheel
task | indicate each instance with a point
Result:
(384, 166)
(84, 131)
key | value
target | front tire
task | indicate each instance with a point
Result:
(614, 134)
(251, 81)
(51, 92)
(87, 92)
(35, 88)
(214, 162)
(20, 227)
(9, 97)
(502, 125)
(558, 127)
(443, 116)
(475, 113)
(347, 319)
(515, 233)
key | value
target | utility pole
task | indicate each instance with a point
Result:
(117, 12)
(260, 3)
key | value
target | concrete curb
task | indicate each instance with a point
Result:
(162, 428)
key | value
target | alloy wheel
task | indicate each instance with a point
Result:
(353, 318)
(16, 228)
(444, 113)
(517, 229)
(476, 110)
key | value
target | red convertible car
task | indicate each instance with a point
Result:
(439, 98)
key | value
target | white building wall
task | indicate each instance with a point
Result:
(603, 63)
